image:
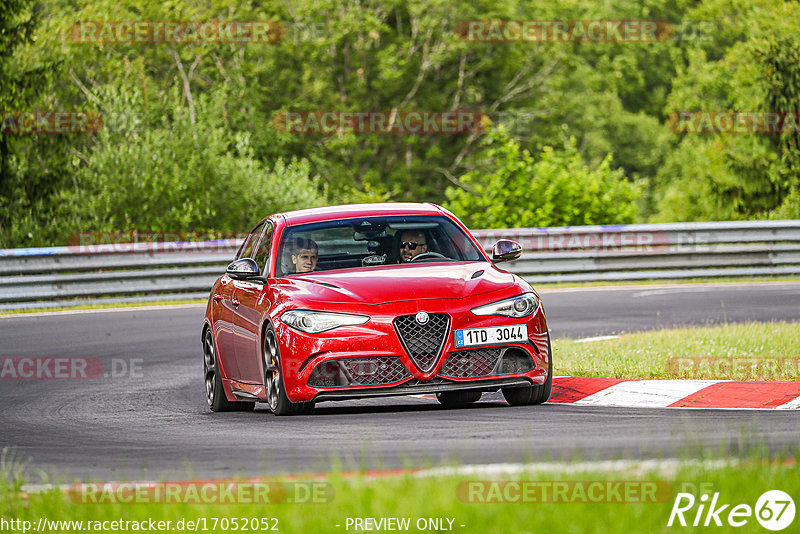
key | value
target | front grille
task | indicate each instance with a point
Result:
(423, 342)
(358, 372)
(475, 363)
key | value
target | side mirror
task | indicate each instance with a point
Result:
(506, 250)
(242, 269)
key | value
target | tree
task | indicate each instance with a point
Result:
(512, 189)
(750, 65)
(184, 174)
(22, 79)
(17, 22)
(781, 60)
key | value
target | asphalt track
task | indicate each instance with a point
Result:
(154, 423)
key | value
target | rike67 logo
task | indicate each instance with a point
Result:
(774, 510)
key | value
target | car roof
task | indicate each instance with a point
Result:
(348, 211)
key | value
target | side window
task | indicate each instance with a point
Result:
(261, 254)
(249, 243)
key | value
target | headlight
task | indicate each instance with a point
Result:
(314, 322)
(519, 306)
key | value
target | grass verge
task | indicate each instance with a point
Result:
(571, 501)
(745, 351)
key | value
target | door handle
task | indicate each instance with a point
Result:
(218, 298)
(235, 301)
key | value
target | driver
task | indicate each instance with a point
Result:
(304, 255)
(412, 243)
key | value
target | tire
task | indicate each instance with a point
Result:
(458, 398)
(215, 394)
(274, 388)
(533, 394)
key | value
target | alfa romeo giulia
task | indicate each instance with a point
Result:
(371, 300)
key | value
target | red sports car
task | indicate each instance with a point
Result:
(371, 300)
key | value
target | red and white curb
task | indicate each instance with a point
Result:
(582, 391)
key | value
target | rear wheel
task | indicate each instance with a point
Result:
(458, 398)
(277, 400)
(533, 394)
(215, 394)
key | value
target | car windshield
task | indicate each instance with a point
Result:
(372, 241)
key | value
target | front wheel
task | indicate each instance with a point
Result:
(533, 394)
(277, 400)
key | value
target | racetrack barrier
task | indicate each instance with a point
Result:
(116, 273)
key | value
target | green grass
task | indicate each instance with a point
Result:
(449, 497)
(747, 351)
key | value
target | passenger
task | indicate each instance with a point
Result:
(304, 255)
(412, 243)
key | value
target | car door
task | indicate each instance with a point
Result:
(224, 326)
(226, 302)
(252, 299)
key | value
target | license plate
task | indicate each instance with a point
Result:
(469, 337)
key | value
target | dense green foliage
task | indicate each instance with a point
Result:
(189, 141)
(195, 176)
(512, 189)
(752, 65)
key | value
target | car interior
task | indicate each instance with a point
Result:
(366, 243)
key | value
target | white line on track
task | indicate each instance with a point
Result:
(596, 338)
(672, 287)
(102, 310)
(668, 466)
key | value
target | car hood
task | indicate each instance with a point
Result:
(393, 283)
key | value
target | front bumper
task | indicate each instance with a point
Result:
(353, 352)
(412, 387)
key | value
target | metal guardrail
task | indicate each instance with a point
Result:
(654, 251)
(168, 271)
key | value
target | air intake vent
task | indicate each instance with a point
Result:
(358, 372)
(475, 363)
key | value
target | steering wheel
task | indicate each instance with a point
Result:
(427, 256)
